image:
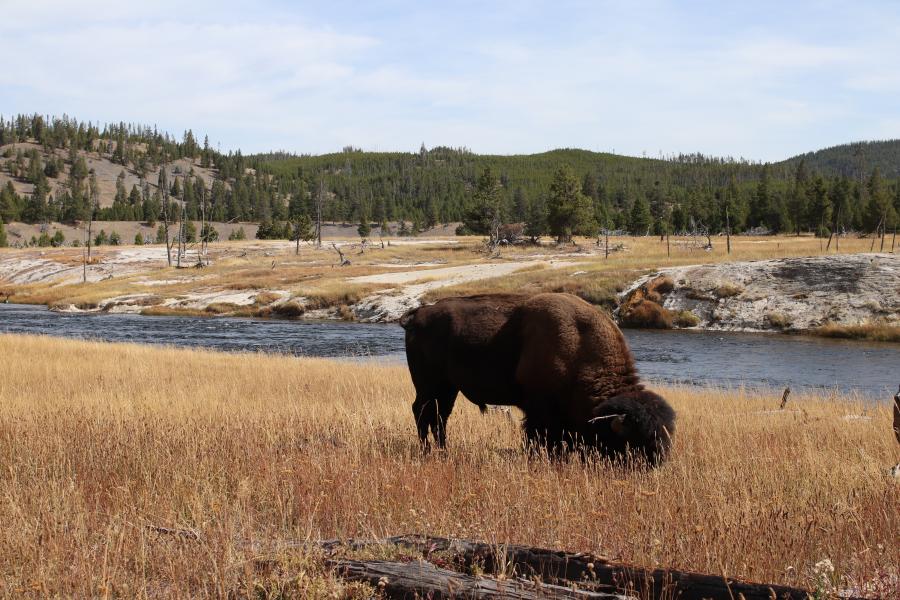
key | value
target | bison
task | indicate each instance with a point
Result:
(554, 356)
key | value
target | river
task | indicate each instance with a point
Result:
(679, 357)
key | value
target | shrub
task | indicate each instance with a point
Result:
(138, 239)
(647, 315)
(58, 239)
(289, 310)
(220, 308)
(115, 239)
(778, 320)
(345, 313)
(727, 290)
(686, 318)
(237, 234)
(209, 233)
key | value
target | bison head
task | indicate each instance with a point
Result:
(639, 424)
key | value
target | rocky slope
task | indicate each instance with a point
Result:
(790, 294)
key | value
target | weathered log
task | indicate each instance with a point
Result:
(419, 579)
(586, 571)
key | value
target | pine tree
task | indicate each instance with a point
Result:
(520, 206)
(877, 209)
(536, 220)
(302, 231)
(3, 241)
(819, 207)
(569, 212)
(798, 205)
(639, 219)
(482, 217)
(365, 227)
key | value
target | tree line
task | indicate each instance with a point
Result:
(562, 192)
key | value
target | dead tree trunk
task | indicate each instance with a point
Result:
(419, 579)
(590, 573)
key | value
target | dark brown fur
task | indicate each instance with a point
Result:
(556, 357)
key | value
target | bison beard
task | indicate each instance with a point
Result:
(555, 356)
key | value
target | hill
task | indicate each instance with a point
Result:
(855, 160)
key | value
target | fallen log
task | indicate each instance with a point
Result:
(584, 570)
(420, 579)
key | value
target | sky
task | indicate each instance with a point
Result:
(758, 80)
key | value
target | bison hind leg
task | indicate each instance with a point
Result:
(431, 411)
(424, 411)
(446, 398)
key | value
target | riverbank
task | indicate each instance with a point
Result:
(248, 453)
(377, 283)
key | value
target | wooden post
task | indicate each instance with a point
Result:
(784, 398)
(727, 230)
(875, 237)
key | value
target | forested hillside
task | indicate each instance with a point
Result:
(854, 160)
(60, 169)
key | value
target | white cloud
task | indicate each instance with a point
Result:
(631, 78)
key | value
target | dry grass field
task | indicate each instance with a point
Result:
(100, 443)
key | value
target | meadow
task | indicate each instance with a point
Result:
(106, 450)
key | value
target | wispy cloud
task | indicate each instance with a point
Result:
(764, 82)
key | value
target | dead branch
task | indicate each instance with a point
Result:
(185, 533)
(343, 261)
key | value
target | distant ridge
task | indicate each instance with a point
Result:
(854, 160)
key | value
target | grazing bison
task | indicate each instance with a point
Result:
(555, 356)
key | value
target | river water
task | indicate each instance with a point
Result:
(680, 357)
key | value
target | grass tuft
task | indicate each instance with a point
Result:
(878, 332)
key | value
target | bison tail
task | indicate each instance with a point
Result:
(406, 319)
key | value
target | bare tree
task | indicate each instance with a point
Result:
(163, 185)
(181, 245)
(320, 199)
(94, 202)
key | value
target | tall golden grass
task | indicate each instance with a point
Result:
(101, 442)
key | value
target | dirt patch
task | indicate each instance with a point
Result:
(390, 305)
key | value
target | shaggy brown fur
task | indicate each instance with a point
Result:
(555, 356)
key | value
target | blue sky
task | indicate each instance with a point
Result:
(760, 80)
